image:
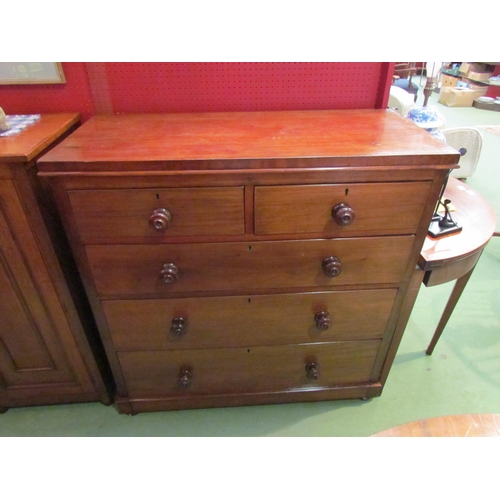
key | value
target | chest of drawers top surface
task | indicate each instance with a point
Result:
(273, 139)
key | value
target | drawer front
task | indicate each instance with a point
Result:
(159, 269)
(381, 208)
(137, 213)
(253, 369)
(209, 322)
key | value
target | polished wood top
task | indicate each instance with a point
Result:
(270, 139)
(474, 214)
(472, 425)
(27, 144)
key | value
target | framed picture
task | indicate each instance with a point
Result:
(31, 73)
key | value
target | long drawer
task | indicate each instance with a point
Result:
(159, 269)
(208, 322)
(252, 369)
(157, 213)
(340, 209)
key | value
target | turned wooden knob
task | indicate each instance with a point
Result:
(178, 327)
(322, 320)
(169, 273)
(160, 219)
(312, 370)
(185, 378)
(332, 266)
(343, 214)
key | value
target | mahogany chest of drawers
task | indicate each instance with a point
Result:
(248, 258)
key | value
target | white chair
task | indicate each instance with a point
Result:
(400, 100)
(468, 142)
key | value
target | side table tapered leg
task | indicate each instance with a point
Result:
(452, 302)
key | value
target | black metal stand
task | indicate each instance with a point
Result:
(443, 225)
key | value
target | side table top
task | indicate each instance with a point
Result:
(477, 219)
(24, 146)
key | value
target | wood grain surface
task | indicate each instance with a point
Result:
(478, 221)
(290, 139)
(253, 320)
(24, 146)
(235, 370)
(135, 269)
(470, 425)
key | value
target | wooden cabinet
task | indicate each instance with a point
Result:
(46, 356)
(248, 258)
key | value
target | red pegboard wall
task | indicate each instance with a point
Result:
(74, 95)
(191, 87)
(92, 88)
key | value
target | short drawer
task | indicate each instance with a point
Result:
(162, 269)
(338, 209)
(251, 370)
(209, 322)
(118, 214)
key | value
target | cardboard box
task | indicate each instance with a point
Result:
(466, 68)
(449, 81)
(480, 77)
(456, 96)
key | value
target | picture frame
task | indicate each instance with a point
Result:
(31, 73)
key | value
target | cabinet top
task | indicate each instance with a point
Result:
(31, 141)
(268, 139)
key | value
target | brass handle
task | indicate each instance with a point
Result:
(160, 219)
(312, 370)
(185, 378)
(178, 327)
(322, 320)
(169, 273)
(332, 266)
(343, 214)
